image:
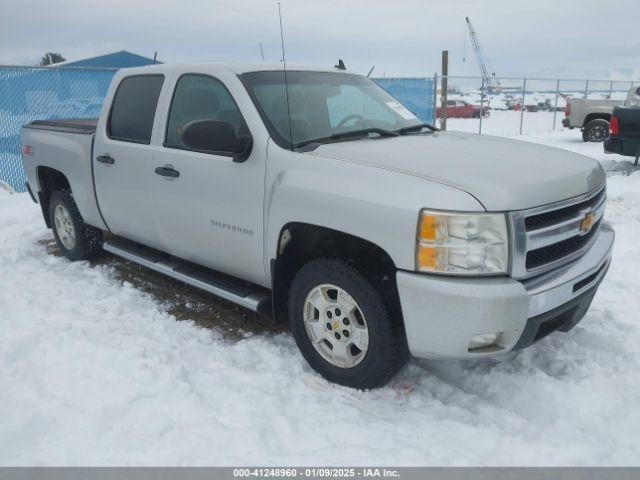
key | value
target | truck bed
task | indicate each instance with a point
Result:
(65, 146)
(85, 126)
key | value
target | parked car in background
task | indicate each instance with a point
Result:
(624, 138)
(325, 203)
(462, 109)
(547, 106)
(593, 116)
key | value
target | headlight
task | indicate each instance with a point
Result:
(462, 243)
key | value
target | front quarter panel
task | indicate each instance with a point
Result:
(372, 203)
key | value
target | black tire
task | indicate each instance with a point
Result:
(596, 130)
(387, 351)
(88, 240)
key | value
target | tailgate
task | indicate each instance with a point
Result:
(629, 123)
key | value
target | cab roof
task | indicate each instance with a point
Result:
(237, 67)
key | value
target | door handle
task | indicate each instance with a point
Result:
(108, 159)
(167, 172)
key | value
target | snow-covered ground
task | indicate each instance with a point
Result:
(507, 123)
(97, 370)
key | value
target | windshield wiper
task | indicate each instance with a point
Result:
(363, 132)
(416, 128)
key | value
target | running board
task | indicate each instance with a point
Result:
(247, 295)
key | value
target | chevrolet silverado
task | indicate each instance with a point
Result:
(315, 197)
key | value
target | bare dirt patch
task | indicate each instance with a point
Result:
(184, 301)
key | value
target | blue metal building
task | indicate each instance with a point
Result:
(121, 59)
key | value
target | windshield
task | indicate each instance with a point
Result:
(323, 105)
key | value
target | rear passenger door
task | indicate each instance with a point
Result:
(123, 159)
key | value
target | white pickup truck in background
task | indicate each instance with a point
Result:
(592, 116)
(325, 203)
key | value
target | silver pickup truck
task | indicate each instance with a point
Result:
(317, 198)
(592, 116)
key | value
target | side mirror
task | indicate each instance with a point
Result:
(212, 136)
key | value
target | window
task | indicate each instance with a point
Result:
(322, 104)
(200, 97)
(134, 108)
(353, 103)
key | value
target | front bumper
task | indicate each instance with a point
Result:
(442, 314)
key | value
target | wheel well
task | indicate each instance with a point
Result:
(298, 243)
(594, 116)
(49, 180)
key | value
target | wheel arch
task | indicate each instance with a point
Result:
(49, 180)
(595, 116)
(299, 242)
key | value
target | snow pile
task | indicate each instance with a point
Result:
(96, 372)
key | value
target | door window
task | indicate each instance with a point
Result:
(134, 108)
(200, 97)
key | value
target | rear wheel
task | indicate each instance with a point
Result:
(76, 240)
(596, 130)
(342, 327)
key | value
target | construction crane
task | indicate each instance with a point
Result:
(490, 83)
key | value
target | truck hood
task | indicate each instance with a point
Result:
(503, 174)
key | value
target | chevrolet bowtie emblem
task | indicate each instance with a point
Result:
(587, 222)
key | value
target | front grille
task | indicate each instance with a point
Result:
(546, 237)
(546, 219)
(542, 256)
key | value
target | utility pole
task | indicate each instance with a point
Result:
(261, 51)
(443, 89)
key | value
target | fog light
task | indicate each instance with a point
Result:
(485, 340)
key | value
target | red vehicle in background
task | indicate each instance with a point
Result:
(462, 109)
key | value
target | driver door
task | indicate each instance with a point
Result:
(210, 210)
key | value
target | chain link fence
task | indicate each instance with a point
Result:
(516, 106)
(43, 93)
(417, 94)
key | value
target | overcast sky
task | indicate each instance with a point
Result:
(561, 38)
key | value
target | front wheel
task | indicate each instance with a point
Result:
(76, 240)
(596, 131)
(342, 327)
